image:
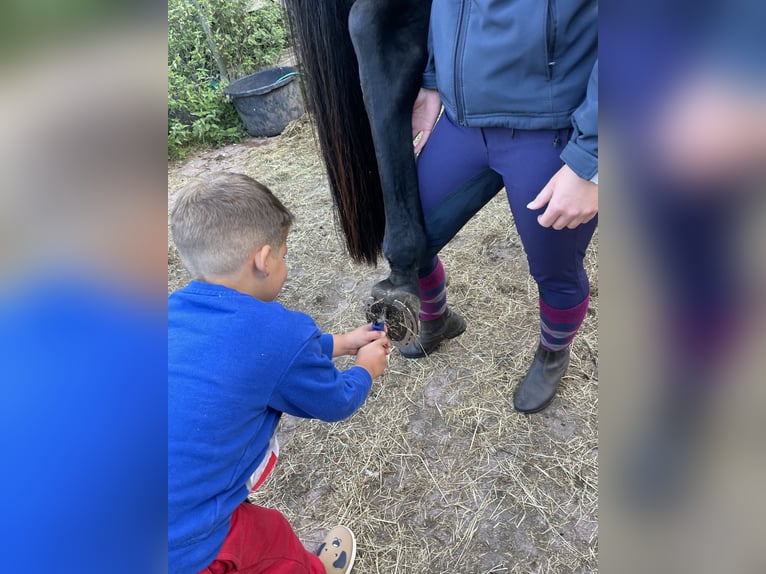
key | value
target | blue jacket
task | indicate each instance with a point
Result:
(235, 364)
(525, 64)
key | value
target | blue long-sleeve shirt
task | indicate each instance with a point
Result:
(235, 364)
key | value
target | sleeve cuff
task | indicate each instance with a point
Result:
(580, 161)
(327, 344)
(429, 80)
(366, 378)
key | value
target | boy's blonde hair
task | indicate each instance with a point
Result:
(219, 219)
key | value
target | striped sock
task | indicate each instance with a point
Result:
(433, 294)
(558, 327)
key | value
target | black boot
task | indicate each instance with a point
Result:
(448, 326)
(538, 387)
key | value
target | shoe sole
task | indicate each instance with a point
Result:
(536, 409)
(353, 552)
(352, 557)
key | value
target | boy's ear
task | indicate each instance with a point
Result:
(261, 258)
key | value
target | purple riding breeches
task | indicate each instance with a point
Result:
(461, 169)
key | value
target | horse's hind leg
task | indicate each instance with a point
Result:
(390, 40)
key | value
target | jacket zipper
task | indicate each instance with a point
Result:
(459, 46)
(550, 37)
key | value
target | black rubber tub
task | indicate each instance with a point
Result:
(268, 100)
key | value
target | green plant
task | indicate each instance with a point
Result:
(210, 43)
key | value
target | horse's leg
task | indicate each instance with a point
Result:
(390, 39)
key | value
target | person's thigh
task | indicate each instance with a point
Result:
(261, 541)
(527, 160)
(454, 179)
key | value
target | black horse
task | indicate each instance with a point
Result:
(362, 63)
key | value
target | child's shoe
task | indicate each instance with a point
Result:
(338, 551)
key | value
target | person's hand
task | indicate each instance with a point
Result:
(570, 199)
(350, 343)
(373, 357)
(425, 112)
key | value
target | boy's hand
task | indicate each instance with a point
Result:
(350, 343)
(373, 357)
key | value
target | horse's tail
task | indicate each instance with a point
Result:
(333, 94)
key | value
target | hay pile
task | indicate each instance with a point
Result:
(436, 473)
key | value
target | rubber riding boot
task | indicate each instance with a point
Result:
(538, 387)
(433, 332)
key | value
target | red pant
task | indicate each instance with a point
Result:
(261, 541)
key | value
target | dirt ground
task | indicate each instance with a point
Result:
(436, 473)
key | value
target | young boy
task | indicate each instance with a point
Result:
(237, 360)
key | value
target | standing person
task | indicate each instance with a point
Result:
(237, 360)
(518, 81)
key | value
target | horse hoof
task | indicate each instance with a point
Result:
(398, 308)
